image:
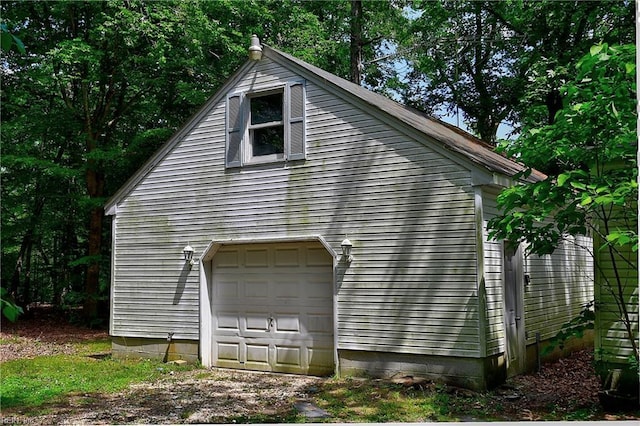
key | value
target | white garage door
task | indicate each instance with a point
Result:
(272, 308)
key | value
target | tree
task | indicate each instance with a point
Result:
(479, 56)
(358, 36)
(103, 84)
(593, 142)
(555, 34)
(466, 59)
(8, 42)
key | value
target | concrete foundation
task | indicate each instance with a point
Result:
(471, 373)
(160, 349)
(574, 344)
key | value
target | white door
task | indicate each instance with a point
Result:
(272, 308)
(514, 311)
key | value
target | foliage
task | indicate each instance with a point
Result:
(101, 87)
(467, 59)
(480, 56)
(9, 41)
(575, 328)
(31, 383)
(383, 25)
(9, 309)
(589, 153)
(594, 132)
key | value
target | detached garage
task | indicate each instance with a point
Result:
(327, 229)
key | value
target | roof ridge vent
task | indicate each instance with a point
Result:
(255, 50)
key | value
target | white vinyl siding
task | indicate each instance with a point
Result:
(612, 339)
(561, 285)
(408, 210)
(493, 271)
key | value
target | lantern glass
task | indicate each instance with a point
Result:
(188, 253)
(255, 50)
(346, 249)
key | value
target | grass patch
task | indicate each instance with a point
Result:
(352, 400)
(47, 379)
(99, 346)
(364, 401)
(8, 340)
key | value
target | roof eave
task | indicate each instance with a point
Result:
(449, 137)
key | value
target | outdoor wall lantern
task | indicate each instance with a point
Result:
(188, 254)
(255, 50)
(346, 250)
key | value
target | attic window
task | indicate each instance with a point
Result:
(266, 125)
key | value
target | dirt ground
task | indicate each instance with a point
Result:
(227, 396)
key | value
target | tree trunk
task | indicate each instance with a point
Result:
(355, 48)
(16, 278)
(56, 276)
(25, 252)
(95, 186)
(554, 104)
(26, 289)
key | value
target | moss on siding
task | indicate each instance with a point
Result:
(298, 183)
(136, 214)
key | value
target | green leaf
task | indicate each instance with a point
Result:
(9, 309)
(595, 49)
(5, 41)
(586, 200)
(562, 178)
(19, 45)
(604, 199)
(10, 312)
(630, 67)
(578, 185)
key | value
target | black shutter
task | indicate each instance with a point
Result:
(297, 149)
(234, 131)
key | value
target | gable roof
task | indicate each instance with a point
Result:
(450, 137)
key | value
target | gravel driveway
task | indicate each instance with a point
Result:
(196, 396)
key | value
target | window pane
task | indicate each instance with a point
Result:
(268, 140)
(266, 109)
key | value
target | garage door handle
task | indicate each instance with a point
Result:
(270, 319)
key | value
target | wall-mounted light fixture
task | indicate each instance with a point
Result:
(346, 250)
(188, 254)
(255, 50)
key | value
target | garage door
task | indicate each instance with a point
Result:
(272, 308)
